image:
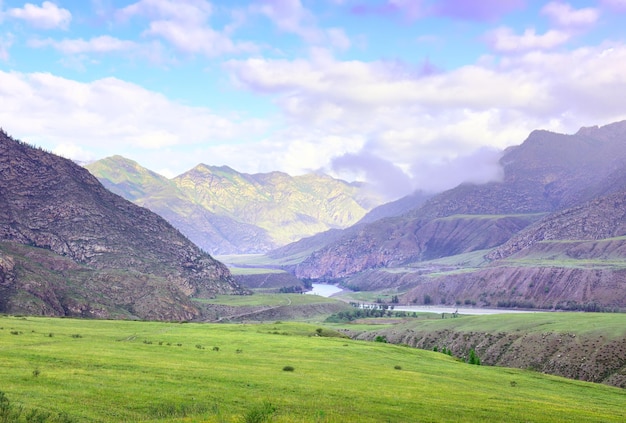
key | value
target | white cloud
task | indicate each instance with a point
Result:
(101, 44)
(185, 26)
(503, 40)
(109, 116)
(292, 17)
(46, 16)
(421, 123)
(198, 39)
(563, 15)
(189, 12)
(568, 21)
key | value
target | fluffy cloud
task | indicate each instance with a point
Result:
(109, 116)
(435, 123)
(101, 44)
(46, 16)
(563, 15)
(504, 40)
(568, 21)
(292, 17)
(185, 26)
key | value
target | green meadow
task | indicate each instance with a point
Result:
(74, 370)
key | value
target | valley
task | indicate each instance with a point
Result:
(96, 370)
(539, 247)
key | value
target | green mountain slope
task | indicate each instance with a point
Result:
(225, 212)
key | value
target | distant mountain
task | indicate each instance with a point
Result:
(546, 175)
(226, 212)
(68, 246)
(218, 234)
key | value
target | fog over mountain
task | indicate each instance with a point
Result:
(392, 182)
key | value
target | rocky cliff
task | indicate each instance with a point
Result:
(71, 247)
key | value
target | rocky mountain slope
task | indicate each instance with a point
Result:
(573, 259)
(68, 246)
(554, 177)
(228, 212)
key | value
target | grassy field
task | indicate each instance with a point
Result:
(260, 299)
(123, 371)
(610, 325)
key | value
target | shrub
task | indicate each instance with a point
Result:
(36, 372)
(397, 367)
(288, 369)
(473, 358)
(381, 338)
(260, 413)
(216, 348)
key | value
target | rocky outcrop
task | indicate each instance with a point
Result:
(50, 203)
(592, 358)
(397, 242)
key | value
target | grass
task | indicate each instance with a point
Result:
(259, 299)
(610, 325)
(112, 374)
(253, 270)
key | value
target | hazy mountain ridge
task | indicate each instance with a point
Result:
(225, 211)
(546, 173)
(50, 203)
(550, 234)
(211, 232)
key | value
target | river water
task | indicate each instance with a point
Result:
(326, 290)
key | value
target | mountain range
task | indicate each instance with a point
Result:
(70, 247)
(227, 212)
(549, 234)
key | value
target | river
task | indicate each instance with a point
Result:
(326, 290)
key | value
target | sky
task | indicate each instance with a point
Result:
(403, 94)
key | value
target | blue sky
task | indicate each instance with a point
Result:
(405, 94)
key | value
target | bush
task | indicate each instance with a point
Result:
(288, 369)
(259, 414)
(473, 358)
(381, 338)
